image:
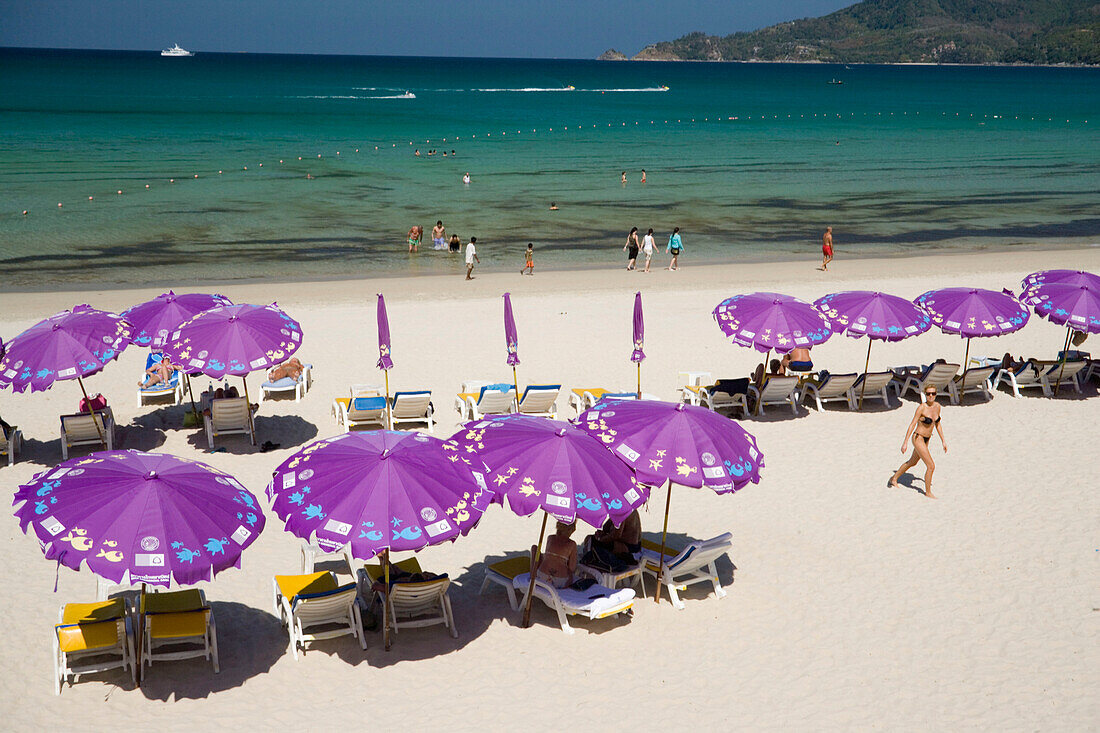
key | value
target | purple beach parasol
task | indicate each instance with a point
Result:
(510, 337)
(974, 313)
(678, 443)
(377, 491)
(234, 340)
(767, 321)
(878, 316)
(1068, 298)
(555, 466)
(69, 345)
(155, 319)
(136, 517)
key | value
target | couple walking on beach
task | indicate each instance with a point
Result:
(675, 247)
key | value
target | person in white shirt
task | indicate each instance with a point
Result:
(471, 258)
(648, 245)
(466, 178)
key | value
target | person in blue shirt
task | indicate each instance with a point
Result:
(675, 247)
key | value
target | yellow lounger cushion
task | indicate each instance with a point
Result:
(469, 396)
(292, 585)
(656, 547)
(174, 602)
(177, 625)
(86, 637)
(76, 613)
(512, 567)
(374, 570)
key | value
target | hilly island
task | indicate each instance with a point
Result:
(909, 31)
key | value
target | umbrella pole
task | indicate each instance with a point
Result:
(534, 569)
(389, 416)
(515, 383)
(385, 598)
(88, 406)
(866, 366)
(966, 359)
(664, 536)
(248, 409)
(1058, 382)
(191, 395)
(639, 380)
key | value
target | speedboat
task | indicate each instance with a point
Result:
(836, 81)
(176, 51)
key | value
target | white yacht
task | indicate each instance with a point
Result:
(176, 51)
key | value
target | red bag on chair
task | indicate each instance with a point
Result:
(97, 401)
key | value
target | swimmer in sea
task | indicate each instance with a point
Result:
(439, 236)
(643, 175)
(553, 207)
(623, 178)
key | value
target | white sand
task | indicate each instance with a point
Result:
(855, 606)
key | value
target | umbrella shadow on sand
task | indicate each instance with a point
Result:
(281, 431)
(250, 642)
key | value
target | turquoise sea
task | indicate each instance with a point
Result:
(752, 161)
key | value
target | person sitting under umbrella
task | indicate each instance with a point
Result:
(557, 564)
(617, 548)
(160, 373)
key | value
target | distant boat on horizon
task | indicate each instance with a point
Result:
(836, 81)
(175, 50)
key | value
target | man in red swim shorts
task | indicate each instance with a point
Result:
(826, 248)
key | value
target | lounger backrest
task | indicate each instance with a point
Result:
(1068, 372)
(539, 398)
(492, 401)
(415, 597)
(411, 404)
(4, 439)
(777, 387)
(363, 390)
(81, 427)
(974, 376)
(939, 375)
(313, 607)
(837, 384)
(229, 412)
(699, 554)
(875, 381)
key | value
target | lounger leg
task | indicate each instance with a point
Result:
(450, 615)
(359, 625)
(212, 638)
(58, 665)
(718, 590)
(674, 596)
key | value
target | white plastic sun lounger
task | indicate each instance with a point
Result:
(79, 429)
(694, 564)
(228, 416)
(414, 605)
(364, 405)
(540, 399)
(1043, 375)
(594, 603)
(298, 386)
(834, 388)
(878, 384)
(970, 381)
(488, 401)
(412, 408)
(937, 375)
(92, 637)
(305, 602)
(173, 388)
(9, 444)
(777, 391)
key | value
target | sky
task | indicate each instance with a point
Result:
(501, 28)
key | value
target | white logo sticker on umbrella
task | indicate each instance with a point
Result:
(337, 527)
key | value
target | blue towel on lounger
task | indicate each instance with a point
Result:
(362, 404)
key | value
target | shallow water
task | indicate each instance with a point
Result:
(752, 161)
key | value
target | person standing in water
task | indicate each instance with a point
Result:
(623, 178)
(675, 247)
(439, 236)
(466, 178)
(631, 249)
(415, 235)
(826, 248)
(920, 428)
(648, 247)
(643, 175)
(528, 260)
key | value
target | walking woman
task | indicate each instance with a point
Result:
(920, 428)
(631, 249)
(675, 247)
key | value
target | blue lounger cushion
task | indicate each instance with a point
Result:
(321, 594)
(539, 388)
(368, 403)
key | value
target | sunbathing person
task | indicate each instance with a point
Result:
(799, 361)
(557, 564)
(291, 368)
(160, 373)
(400, 575)
(624, 541)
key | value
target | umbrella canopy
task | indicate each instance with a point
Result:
(639, 330)
(155, 319)
(545, 464)
(1069, 298)
(376, 491)
(69, 345)
(384, 360)
(233, 340)
(140, 517)
(766, 321)
(685, 444)
(878, 316)
(974, 312)
(510, 337)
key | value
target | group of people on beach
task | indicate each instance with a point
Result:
(439, 238)
(610, 547)
(648, 246)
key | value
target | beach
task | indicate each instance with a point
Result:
(853, 605)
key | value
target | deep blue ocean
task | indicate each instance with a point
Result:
(306, 164)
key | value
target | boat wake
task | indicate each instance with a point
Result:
(406, 95)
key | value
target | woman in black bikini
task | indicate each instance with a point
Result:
(926, 417)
